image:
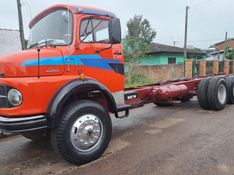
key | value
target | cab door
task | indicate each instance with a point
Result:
(97, 57)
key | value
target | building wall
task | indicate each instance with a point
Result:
(179, 58)
(161, 59)
(9, 41)
(162, 72)
(150, 60)
(222, 45)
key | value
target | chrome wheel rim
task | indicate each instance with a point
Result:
(86, 132)
(222, 94)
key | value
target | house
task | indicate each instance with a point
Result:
(216, 51)
(221, 45)
(161, 54)
(9, 41)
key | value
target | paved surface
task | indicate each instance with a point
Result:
(182, 139)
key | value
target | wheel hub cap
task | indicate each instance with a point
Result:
(222, 94)
(86, 132)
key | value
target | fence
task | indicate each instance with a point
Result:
(231, 67)
(192, 69)
(209, 67)
(221, 67)
(161, 72)
(195, 68)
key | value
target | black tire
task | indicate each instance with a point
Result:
(61, 134)
(230, 87)
(202, 93)
(36, 135)
(217, 85)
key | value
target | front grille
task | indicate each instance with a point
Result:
(3, 103)
(3, 90)
(3, 96)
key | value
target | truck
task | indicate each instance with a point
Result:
(71, 78)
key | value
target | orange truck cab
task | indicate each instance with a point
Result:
(72, 76)
(74, 56)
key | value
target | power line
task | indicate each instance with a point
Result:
(200, 40)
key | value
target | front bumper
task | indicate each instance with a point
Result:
(18, 125)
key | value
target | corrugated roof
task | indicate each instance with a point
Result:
(231, 39)
(161, 48)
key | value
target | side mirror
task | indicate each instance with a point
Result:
(115, 31)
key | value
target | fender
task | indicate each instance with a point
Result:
(72, 88)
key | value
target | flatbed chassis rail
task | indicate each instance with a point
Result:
(165, 93)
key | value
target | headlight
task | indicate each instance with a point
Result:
(14, 97)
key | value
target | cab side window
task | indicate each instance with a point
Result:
(94, 31)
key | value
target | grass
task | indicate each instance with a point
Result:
(136, 79)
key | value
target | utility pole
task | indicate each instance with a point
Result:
(186, 32)
(185, 36)
(21, 26)
(174, 43)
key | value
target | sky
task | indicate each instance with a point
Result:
(208, 19)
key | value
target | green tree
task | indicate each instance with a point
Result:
(231, 55)
(137, 41)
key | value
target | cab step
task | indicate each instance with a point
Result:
(122, 108)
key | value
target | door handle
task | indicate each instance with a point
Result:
(117, 53)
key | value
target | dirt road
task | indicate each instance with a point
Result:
(182, 139)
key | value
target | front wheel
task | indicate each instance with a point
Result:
(83, 132)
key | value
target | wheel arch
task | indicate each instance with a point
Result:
(74, 87)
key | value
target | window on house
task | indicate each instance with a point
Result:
(94, 31)
(171, 60)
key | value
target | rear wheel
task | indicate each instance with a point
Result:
(202, 93)
(230, 89)
(83, 132)
(217, 93)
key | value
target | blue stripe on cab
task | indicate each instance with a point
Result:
(86, 60)
(45, 61)
(99, 63)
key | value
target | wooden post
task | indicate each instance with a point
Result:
(202, 68)
(189, 68)
(215, 67)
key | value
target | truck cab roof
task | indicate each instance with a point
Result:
(75, 10)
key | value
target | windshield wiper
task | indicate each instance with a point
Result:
(45, 43)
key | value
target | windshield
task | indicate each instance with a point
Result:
(56, 27)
